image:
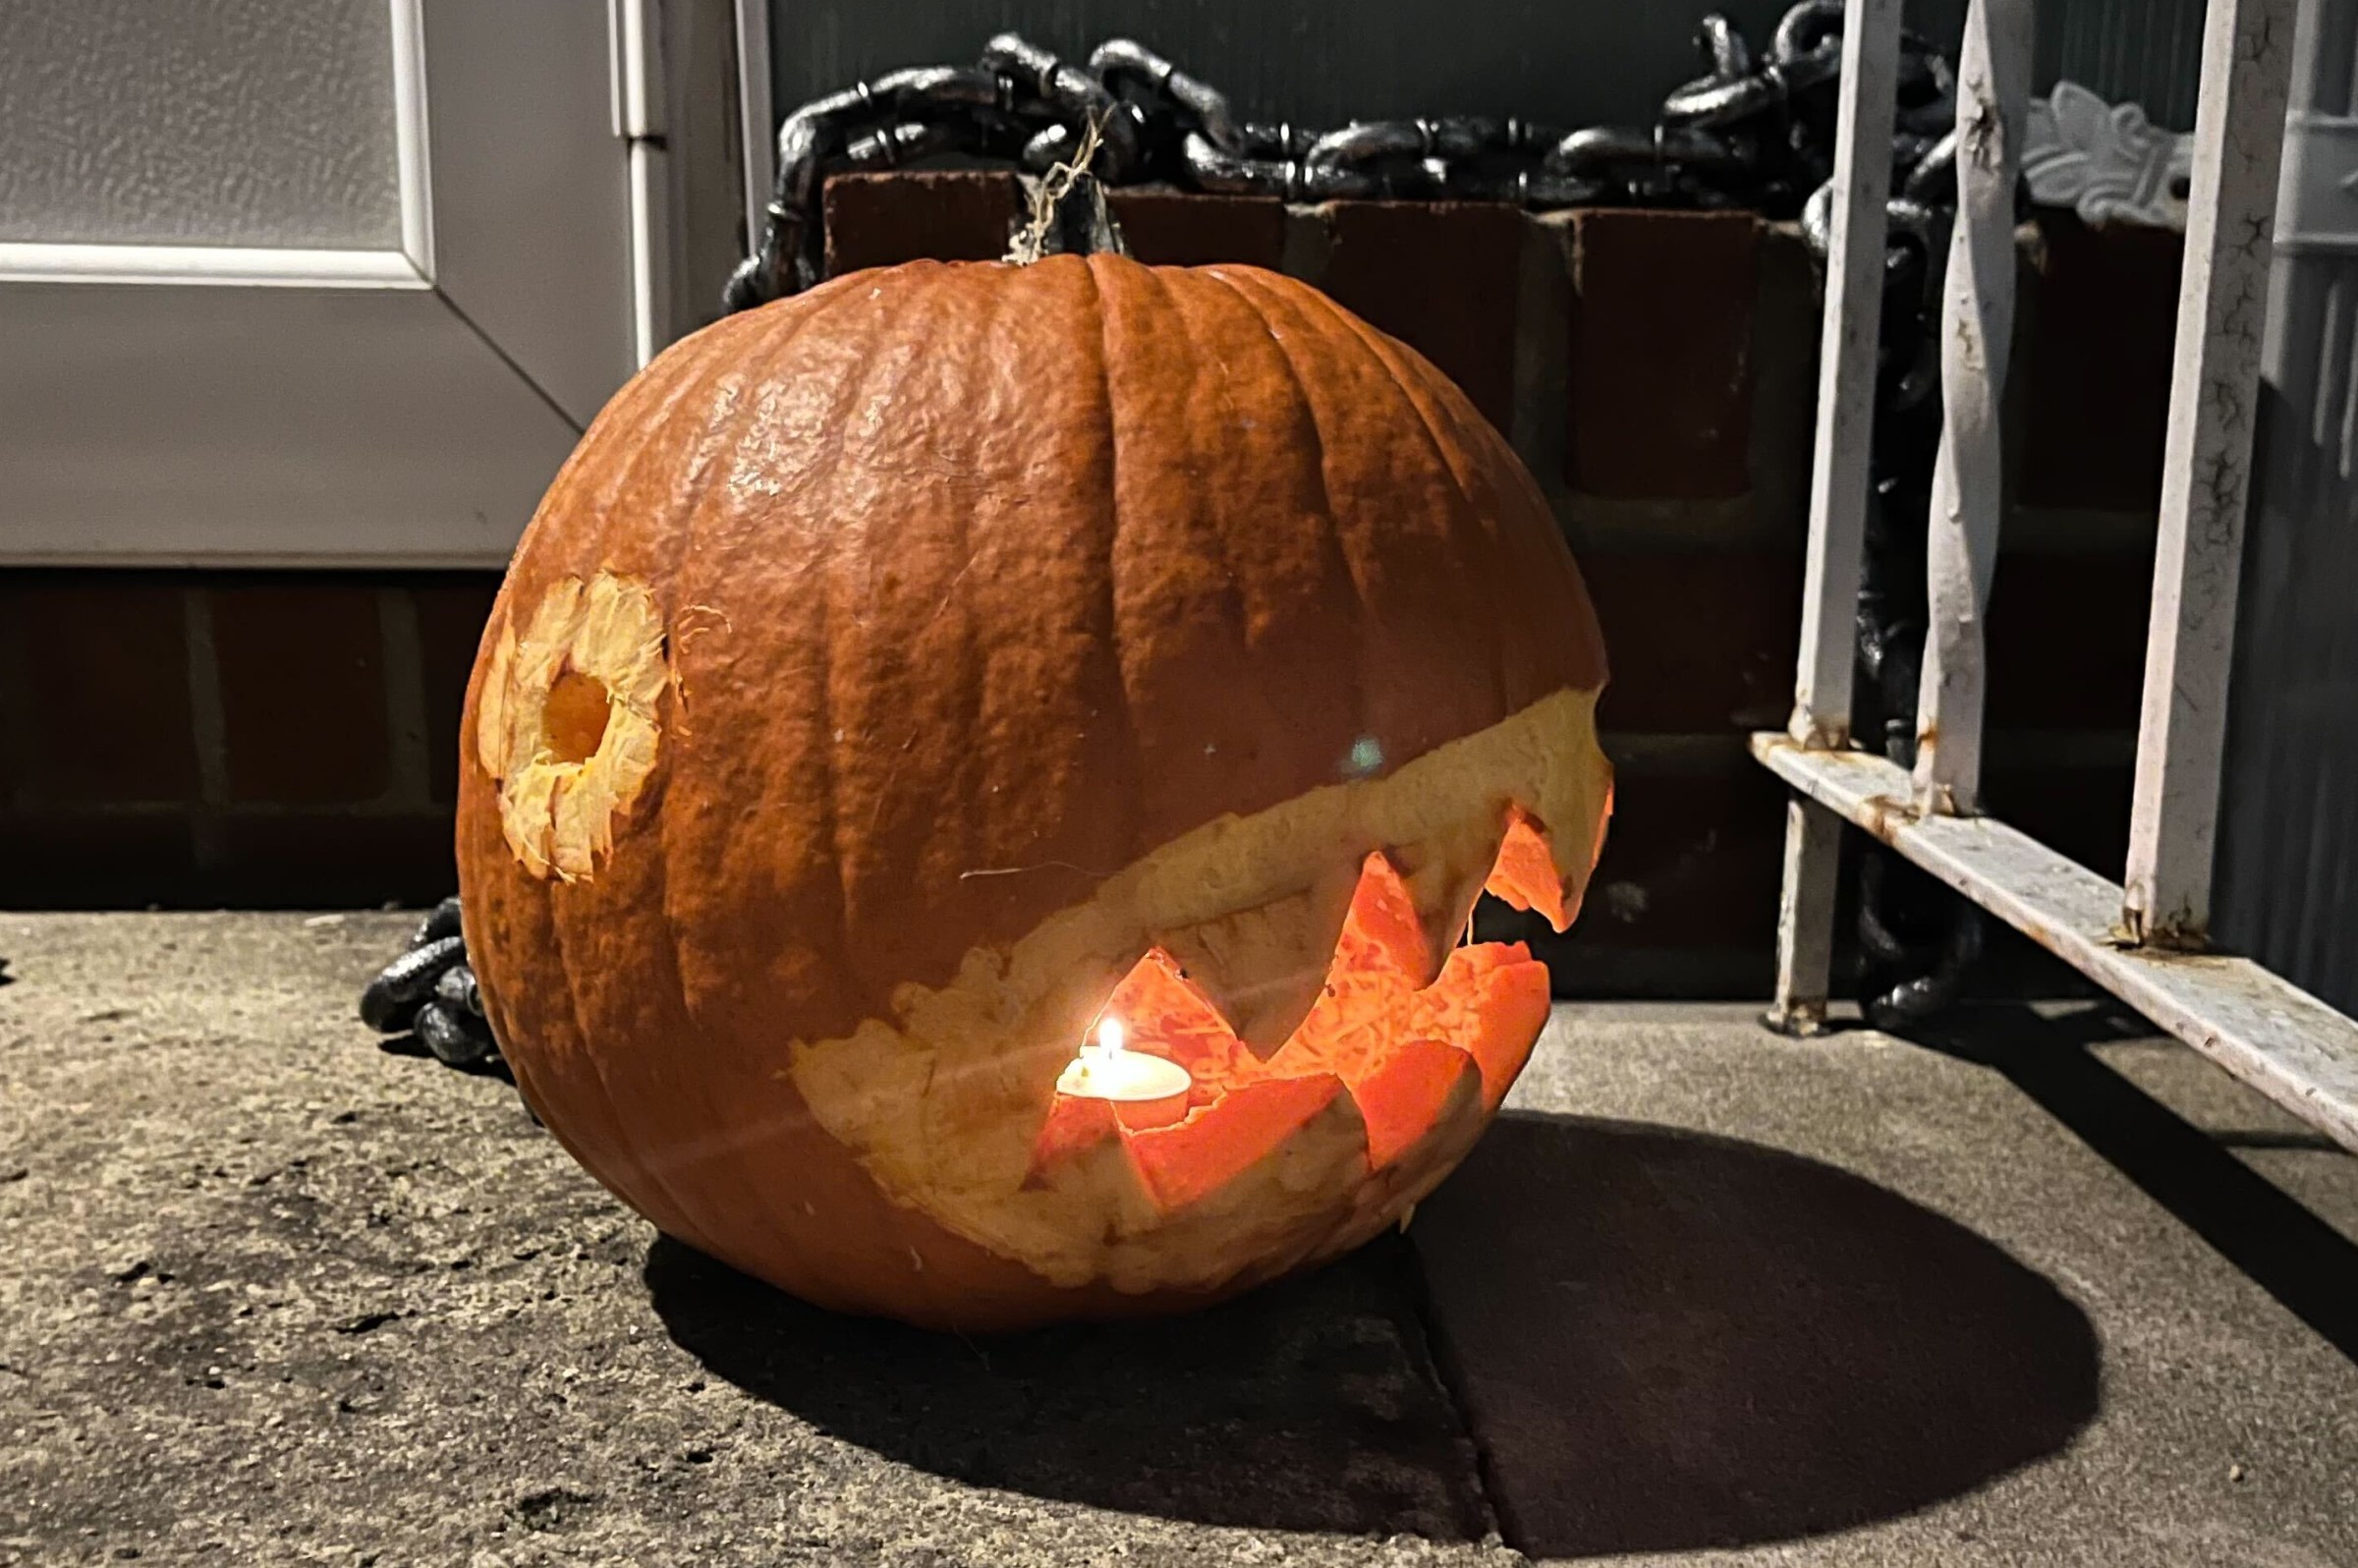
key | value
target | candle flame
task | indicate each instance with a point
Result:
(1109, 1037)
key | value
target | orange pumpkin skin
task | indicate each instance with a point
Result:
(898, 672)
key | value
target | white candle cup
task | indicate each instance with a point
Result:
(1146, 1090)
(1124, 1076)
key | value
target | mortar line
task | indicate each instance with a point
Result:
(409, 775)
(209, 729)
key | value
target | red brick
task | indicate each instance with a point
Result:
(1180, 228)
(451, 613)
(76, 860)
(326, 861)
(1660, 394)
(101, 667)
(1696, 643)
(2067, 641)
(302, 690)
(877, 221)
(1441, 277)
(2097, 374)
(1690, 861)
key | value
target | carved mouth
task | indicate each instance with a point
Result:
(1304, 964)
(1416, 1063)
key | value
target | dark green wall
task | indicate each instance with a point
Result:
(1321, 62)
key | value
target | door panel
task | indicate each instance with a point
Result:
(310, 372)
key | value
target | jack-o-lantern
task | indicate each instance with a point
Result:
(979, 776)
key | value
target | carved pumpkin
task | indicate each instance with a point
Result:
(904, 679)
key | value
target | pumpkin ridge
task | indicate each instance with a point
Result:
(1448, 455)
(671, 1212)
(832, 568)
(1313, 462)
(762, 386)
(1203, 534)
(690, 358)
(971, 656)
(1321, 326)
(1415, 378)
(689, 364)
(1432, 396)
(685, 380)
(1105, 301)
(1277, 305)
(716, 451)
(544, 893)
(1471, 428)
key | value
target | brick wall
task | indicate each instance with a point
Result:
(287, 739)
(231, 738)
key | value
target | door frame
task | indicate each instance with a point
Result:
(244, 406)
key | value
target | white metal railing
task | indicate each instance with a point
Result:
(2142, 941)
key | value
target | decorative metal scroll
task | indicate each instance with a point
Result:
(2105, 161)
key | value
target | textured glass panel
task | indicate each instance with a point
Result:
(199, 121)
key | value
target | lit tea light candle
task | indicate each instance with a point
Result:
(1147, 1090)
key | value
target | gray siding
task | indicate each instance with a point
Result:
(2289, 839)
(2147, 52)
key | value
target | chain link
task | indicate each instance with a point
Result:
(1751, 132)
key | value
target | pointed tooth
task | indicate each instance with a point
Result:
(1413, 920)
(1263, 968)
(1072, 1131)
(1236, 1138)
(1408, 1096)
(1384, 919)
(1525, 874)
(1445, 899)
(1169, 1016)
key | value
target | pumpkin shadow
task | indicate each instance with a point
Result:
(1671, 1341)
(1655, 1339)
(1310, 1405)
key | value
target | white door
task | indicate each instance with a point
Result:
(302, 282)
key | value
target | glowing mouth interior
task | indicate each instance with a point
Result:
(1404, 1051)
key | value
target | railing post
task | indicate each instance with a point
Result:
(2206, 469)
(1976, 324)
(1839, 477)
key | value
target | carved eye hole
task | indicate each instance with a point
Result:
(2180, 187)
(574, 721)
(567, 726)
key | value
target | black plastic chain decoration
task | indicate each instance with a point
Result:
(430, 992)
(1755, 132)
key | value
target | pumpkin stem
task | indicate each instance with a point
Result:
(1068, 209)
